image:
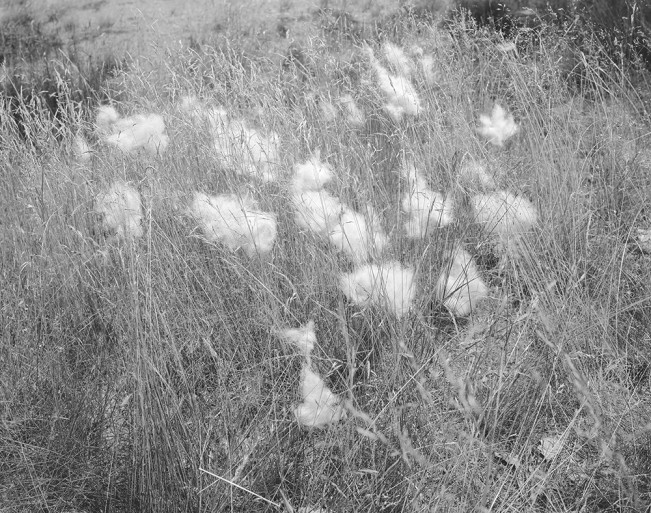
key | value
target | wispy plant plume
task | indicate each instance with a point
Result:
(389, 285)
(317, 211)
(358, 236)
(81, 149)
(507, 47)
(304, 338)
(328, 110)
(191, 105)
(106, 117)
(498, 127)
(426, 209)
(429, 71)
(121, 210)
(354, 114)
(235, 222)
(142, 131)
(474, 176)
(504, 216)
(311, 175)
(242, 149)
(399, 91)
(200, 114)
(460, 286)
(643, 238)
(320, 406)
(398, 59)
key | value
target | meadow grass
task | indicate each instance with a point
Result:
(151, 373)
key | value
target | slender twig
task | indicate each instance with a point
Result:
(240, 487)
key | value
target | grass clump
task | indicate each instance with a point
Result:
(475, 321)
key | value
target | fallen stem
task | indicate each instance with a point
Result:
(240, 487)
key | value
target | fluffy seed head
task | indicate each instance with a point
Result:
(399, 91)
(426, 209)
(106, 116)
(191, 106)
(81, 149)
(317, 211)
(504, 213)
(390, 286)
(121, 209)
(507, 47)
(435, 210)
(415, 178)
(401, 95)
(474, 176)
(460, 285)
(303, 338)
(398, 59)
(244, 149)
(498, 127)
(235, 222)
(427, 67)
(238, 147)
(359, 236)
(218, 120)
(643, 238)
(354, 114)
(328, 110)
(506, 218)
(320, 406)
(139, 131)
(311, 175)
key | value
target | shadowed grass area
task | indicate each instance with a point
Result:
(45, 75)
(135, 370)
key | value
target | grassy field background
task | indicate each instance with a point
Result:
(151, 374)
